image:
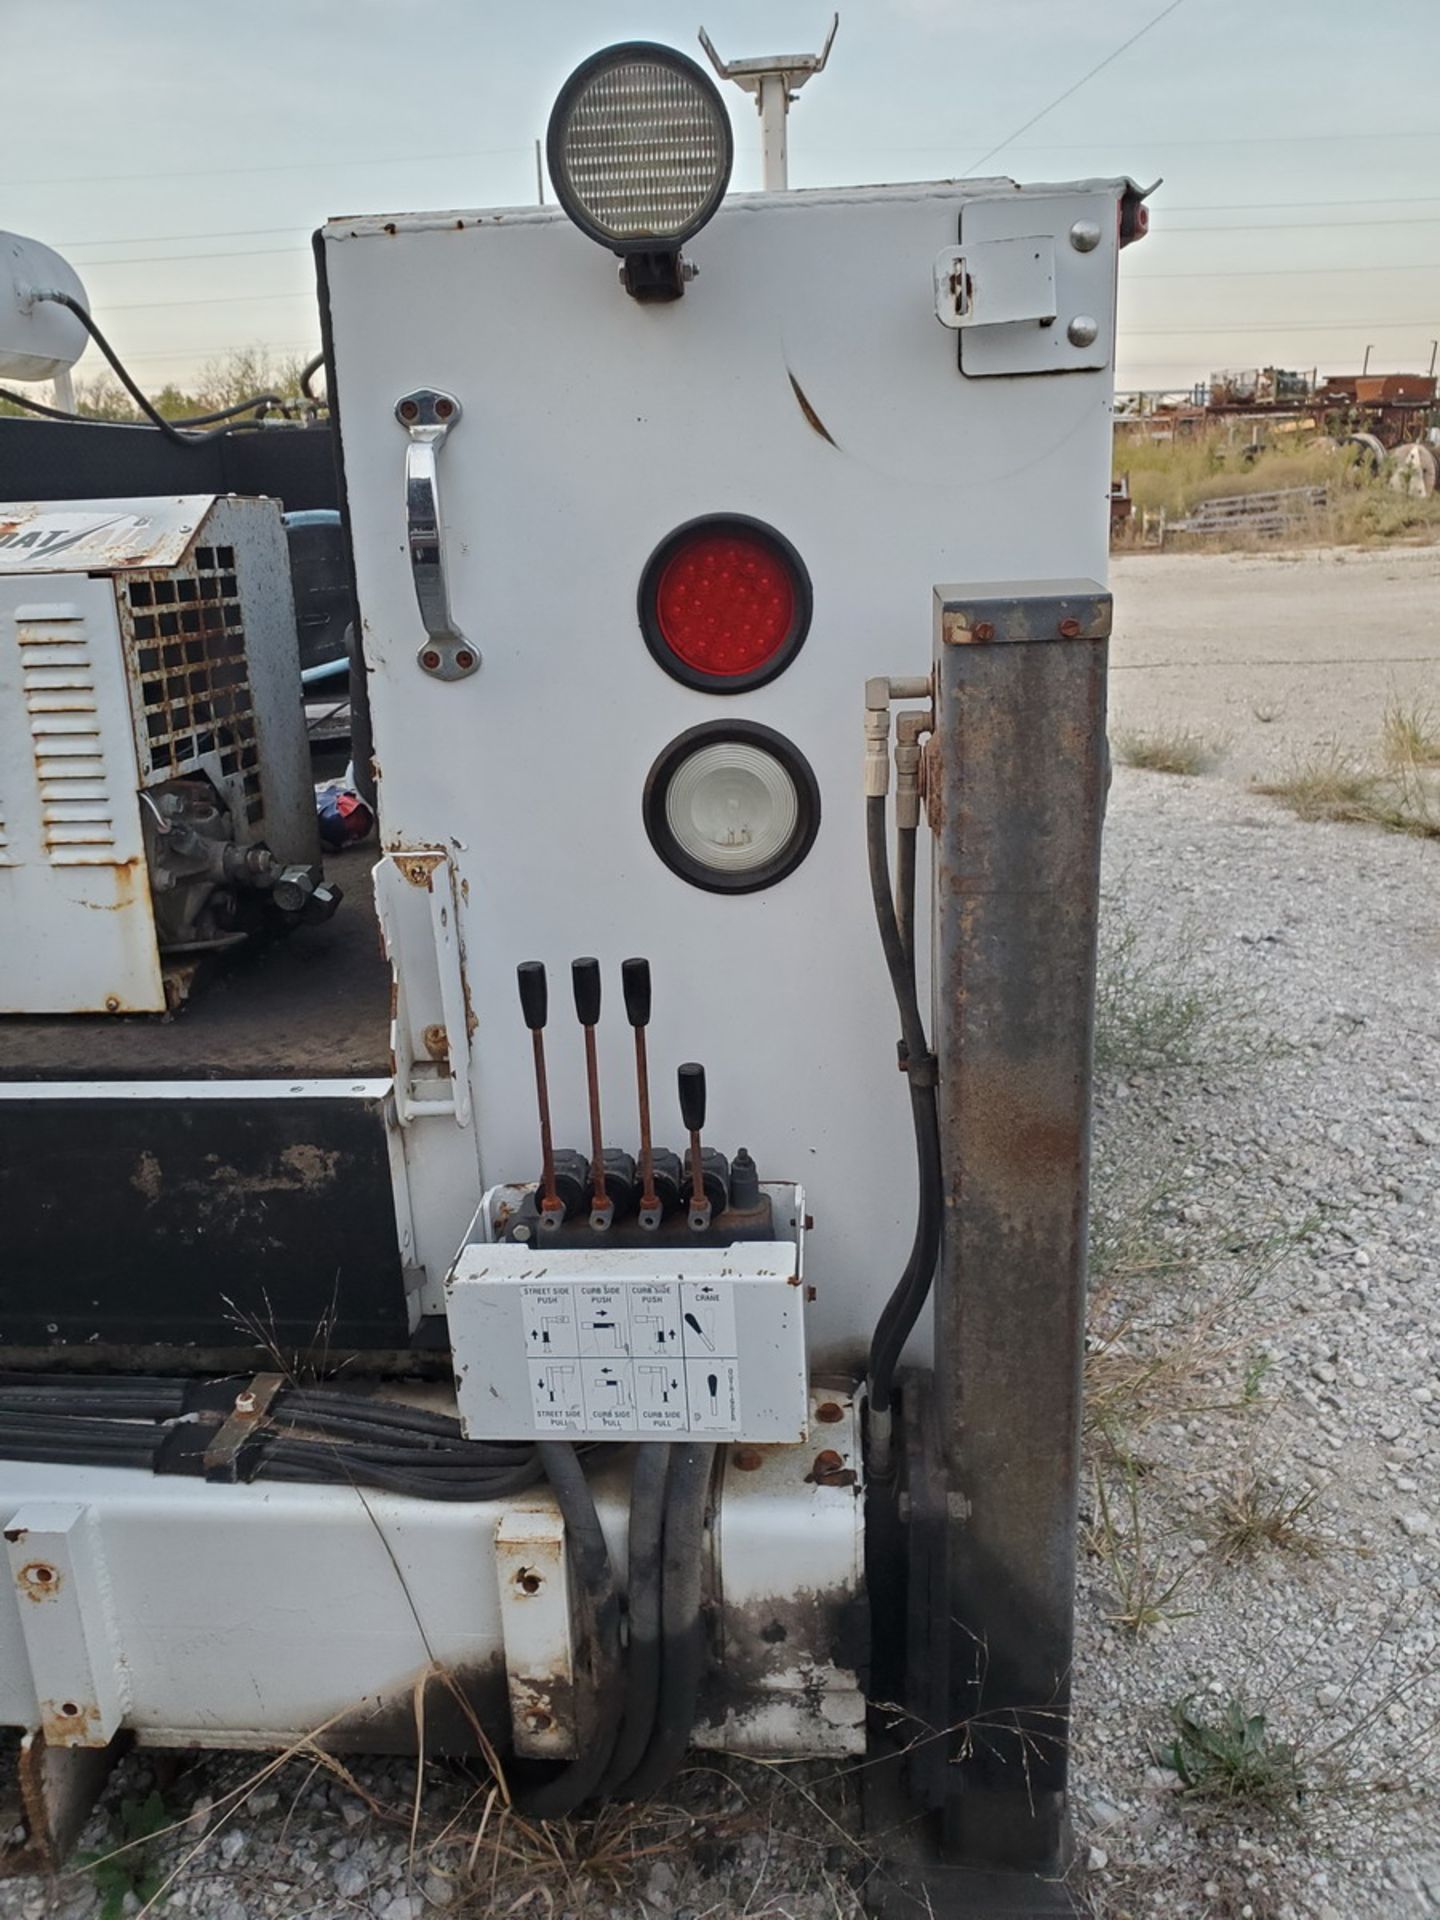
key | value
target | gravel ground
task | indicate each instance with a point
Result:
(1268, 654)
(1267, 1307)
(1276, 1218)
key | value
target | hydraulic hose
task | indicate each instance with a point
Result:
(643, 1589)
(600, 1622)
(905, 893)
(682, 1643)
(897, 940)
(170, 428)
(310, 1434)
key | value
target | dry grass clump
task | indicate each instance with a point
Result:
(1257, 1514)
(1361, 509)
(1171, 749)
(1333, 784)
(1410, 735)
(1156, 1008)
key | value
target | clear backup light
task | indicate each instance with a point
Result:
(639, 147)
(732, 806)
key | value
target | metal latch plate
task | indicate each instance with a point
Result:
(1041, 295)
(993, 282)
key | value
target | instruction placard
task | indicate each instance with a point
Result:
(644, 1357)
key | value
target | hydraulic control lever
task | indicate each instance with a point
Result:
(585, 978)
(707, 1171)
(534, 1004)
(635, 977)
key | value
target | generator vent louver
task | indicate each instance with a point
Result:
(57, 677)
(189, 640)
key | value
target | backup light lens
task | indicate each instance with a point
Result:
(732, 807)
(725, 604)
(639, 147)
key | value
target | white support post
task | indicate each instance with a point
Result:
(774, 104)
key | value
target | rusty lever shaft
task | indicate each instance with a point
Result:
(635, 977)
(534, 1003)
(691, 1078)
(585, 978)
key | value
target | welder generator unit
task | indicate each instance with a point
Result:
(548, 1272)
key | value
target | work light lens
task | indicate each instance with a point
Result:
(732, 808)
(639, 147)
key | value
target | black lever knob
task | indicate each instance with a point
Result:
(585, 976)
(534, 997)
(635, 976)
(692, 1095)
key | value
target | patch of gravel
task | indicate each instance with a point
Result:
(1299, 1195)
(1270, 654)
(1293, 1195)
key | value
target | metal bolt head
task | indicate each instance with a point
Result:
(1085, 236)
(1069, 627)
(829, 1411)
(245, 1402)
(983, 630)
(748, 1459)
(1082, 330)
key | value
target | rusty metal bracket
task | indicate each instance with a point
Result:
(535, 1620)
(252, 1403)
(422, 1044)
(63, 1600)
(995, 612)
(56, 1788)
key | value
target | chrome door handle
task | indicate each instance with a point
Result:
(427, 416)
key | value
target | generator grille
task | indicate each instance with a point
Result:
(194, 677)
(77, 812)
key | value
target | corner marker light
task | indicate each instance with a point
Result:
(639, 149)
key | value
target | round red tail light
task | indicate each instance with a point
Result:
(725, 603)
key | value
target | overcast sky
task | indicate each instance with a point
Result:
(179, 152)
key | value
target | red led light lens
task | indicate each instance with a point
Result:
(725, 602)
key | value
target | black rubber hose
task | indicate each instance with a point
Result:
(308, 373)
(169, 428)
(48, 413)
(643, 1588)
(682, 1638)
(912, 1289)
(589, 1559)
(905, 891)
(319, 1465)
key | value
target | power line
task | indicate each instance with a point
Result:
(1149, 141)
(1276, 326)
(207, 300)
(163, 239)
(1279, 273)
(486, 153)
(1099, 67)
(1238, 206)
(1273, 226)
(1265, 206)
(287, 166)
(1312, 226)
(168, 259)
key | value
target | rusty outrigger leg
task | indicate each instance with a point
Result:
(1017, 792)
